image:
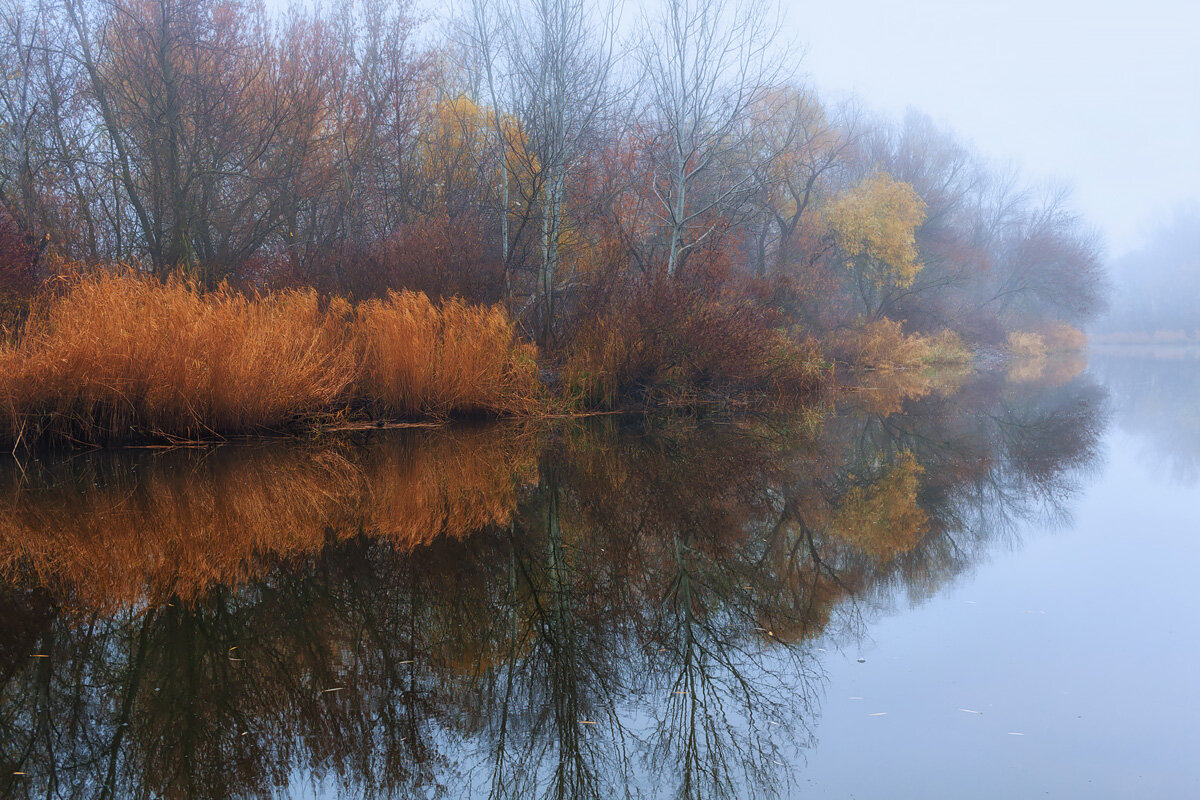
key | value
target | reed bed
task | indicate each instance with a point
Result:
(419, 359)
(114, 356)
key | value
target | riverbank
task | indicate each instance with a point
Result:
(117, 358)
(110, 358)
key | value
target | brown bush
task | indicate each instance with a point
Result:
(683, 341)
(18, 258)
(1059, 337)
(1026, 344)
(882, 345)
(439, 255)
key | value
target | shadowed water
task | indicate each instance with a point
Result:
(593, 609)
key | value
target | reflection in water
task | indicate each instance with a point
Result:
(591, 611)
(1158, 397)
(129, 527)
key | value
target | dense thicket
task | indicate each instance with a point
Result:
(528, 156)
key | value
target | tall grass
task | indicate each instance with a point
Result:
(419, 359)
(118, 355)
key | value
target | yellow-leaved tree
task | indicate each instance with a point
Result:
(874, 224)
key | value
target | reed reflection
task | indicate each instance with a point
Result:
(594, 611)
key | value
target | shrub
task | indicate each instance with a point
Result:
(1026, 344)
(946, 348)
(676, 341)
(1059, 337)
(880, 344)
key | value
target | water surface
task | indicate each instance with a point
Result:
(972, 587)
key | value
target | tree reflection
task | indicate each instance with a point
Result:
(1156, 391)
(592, 611)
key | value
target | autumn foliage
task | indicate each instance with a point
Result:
(680, 341)
(418, 359)
(112, 355)
(465, 206)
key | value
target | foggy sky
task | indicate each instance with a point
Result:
(1101, 94)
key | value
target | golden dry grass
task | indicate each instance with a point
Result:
(419, 359)
(882, 345)
(1026, 344)
(1063, 338)
(119, 355)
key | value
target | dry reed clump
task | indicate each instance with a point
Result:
(115, 354)
(946, 348)
(878, 345)
(1026, 344)
(882, 345)
(419, 359)
(1063, 338)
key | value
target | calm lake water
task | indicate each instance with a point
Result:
(981, 588)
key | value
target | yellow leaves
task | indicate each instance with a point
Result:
(456, 139)
(875, 224)
(454, 134)
(883, 518)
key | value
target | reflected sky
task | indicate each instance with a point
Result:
(593, 609)
(1082, 641)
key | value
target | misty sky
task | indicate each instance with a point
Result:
(1101, 94)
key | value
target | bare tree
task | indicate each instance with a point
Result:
(555, 62)
(706, 64)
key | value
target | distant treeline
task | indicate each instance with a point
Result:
(636, 204)
(1157, 287)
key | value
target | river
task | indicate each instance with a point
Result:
(974, 586)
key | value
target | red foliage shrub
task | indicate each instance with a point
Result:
(693, 337)
(18, 272)
(18, 260)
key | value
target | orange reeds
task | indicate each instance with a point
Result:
(116, 355)
(121, 353)
(422, 359)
